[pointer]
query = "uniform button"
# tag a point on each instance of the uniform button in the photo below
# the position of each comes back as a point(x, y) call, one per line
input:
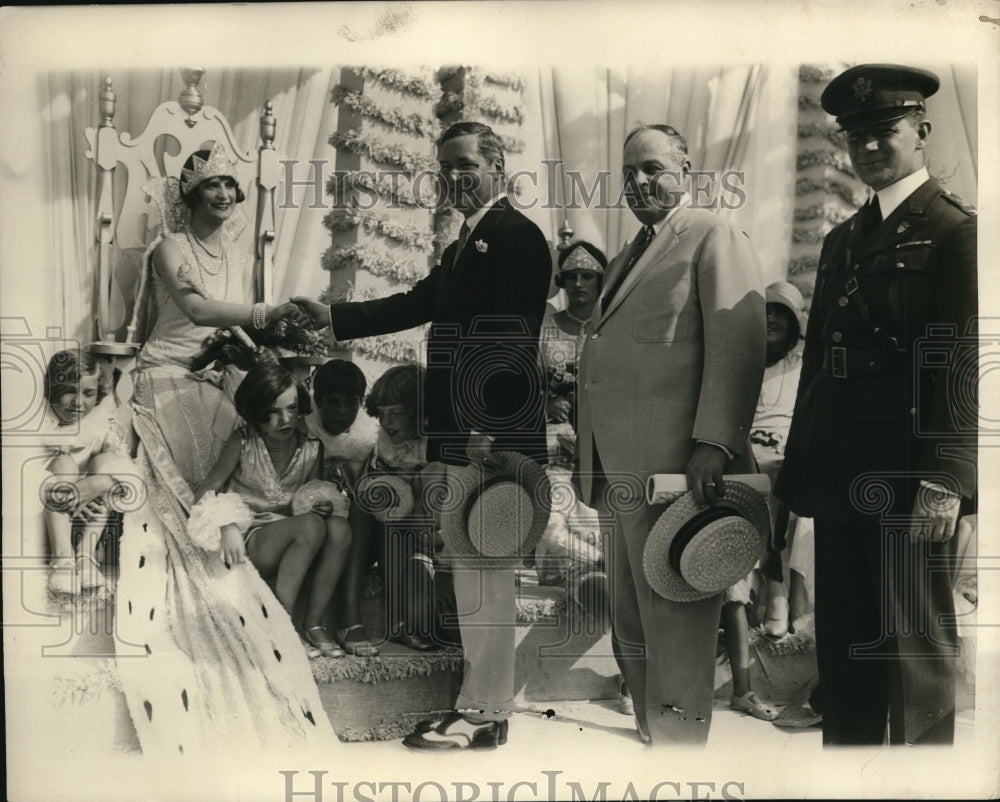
point(913, 410)
point(842, 301)
point(900, 264)
point(594, 336)
point(837, 336)
point(854, 267)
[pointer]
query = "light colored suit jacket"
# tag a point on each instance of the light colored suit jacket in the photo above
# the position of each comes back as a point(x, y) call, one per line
point(678, 356)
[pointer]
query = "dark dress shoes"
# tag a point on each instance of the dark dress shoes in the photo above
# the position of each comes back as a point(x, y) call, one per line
point(456, 731)
point(416, 642)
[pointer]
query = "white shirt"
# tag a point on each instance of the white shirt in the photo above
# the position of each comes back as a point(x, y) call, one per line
point(890, 197)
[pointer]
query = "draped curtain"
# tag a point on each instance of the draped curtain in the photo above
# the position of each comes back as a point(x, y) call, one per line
point(735, 118)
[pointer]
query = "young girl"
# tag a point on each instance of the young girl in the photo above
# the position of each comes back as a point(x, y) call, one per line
point(408, 551)
point(87, 448)
point(265, 461)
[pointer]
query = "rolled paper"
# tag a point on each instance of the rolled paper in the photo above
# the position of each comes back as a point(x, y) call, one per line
point(665, 488)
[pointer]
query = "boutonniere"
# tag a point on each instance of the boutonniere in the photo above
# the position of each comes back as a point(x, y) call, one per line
point(481, 246)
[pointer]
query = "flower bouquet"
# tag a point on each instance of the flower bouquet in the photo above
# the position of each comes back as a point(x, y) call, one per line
point(245, 348)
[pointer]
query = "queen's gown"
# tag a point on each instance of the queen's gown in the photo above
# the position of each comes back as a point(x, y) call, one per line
point(208, 659)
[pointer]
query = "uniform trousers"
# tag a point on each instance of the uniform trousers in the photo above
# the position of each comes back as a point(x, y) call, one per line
point(886, 647)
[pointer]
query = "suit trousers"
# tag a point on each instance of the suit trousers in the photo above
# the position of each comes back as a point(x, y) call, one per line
point(666, 650)
point(885, 646)
point(485, 600)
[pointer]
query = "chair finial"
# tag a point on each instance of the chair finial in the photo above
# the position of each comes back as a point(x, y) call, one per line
point(565, 235)
point(268, 126)
point(106, 103)
point(190, 99)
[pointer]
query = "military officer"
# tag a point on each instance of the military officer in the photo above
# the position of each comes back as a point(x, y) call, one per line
point(881, 451)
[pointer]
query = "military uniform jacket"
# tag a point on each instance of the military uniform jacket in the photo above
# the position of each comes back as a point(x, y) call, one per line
point(891, 399)
point(485, 311)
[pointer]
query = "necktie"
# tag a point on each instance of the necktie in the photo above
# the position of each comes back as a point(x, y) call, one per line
point(463, 237)
point(871, 216)
point(642, 242)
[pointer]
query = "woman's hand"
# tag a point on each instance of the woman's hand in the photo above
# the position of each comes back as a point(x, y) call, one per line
point(232, 547)
point(324, 509)
point(287, 311)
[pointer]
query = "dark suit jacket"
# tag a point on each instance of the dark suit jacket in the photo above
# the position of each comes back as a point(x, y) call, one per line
point(914, 414)
point(486, 314)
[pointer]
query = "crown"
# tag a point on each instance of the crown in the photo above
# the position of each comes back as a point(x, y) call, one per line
point(217, 164)
point(581, 259)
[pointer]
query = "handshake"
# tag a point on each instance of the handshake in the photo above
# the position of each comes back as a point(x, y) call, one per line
point(304, 312)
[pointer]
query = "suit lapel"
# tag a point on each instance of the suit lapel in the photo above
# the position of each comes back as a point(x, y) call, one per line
point(470, 254)
point(665, 239)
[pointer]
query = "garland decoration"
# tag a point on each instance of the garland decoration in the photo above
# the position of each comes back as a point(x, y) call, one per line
point(808, 74)
point(508, 80)
point(354, 141)
point(388, 187)
point(416, 85)
point(809, 235)
point(821, 211)
point(802, 264)
point(375, 261)
point(830, 133)
point(391, 349)
point(412, 124)
point(821, 158)
point(850, 196)
point(246, 348)
point(373, 223)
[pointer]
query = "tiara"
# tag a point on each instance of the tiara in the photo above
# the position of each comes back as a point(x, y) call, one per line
point(217, 164)
point(581, 259)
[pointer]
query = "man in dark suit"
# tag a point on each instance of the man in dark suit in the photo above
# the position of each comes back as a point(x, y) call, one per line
point(881, 451)
point(483, 392)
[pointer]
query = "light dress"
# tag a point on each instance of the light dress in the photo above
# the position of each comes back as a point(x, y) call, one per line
point(208, 659)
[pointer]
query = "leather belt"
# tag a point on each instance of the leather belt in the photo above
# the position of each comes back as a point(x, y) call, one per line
point(844, 363)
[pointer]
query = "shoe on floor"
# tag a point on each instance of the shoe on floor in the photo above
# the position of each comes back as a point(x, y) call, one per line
point(752, 705)
point(456, 731)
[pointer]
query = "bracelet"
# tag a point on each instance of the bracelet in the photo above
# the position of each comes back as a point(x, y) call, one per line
point(259, 316)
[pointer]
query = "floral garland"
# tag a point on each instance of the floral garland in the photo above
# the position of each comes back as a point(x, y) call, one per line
point(409, 235)
point(820, 211)
point(412, 124)
point(810, 235)
point(488, 106)
point(376, 262)
point(802, 264)
point(809, 74)
point(394, 191)
point(509, 80)
point(818, 158)
point(248, 347)
point(808, 103)
point(850, 196)
point(823, 130)
point(391, 349)
point(417, 85)
point(354, 141)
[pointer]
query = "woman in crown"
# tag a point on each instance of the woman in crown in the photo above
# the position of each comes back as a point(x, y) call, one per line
point(208, 658)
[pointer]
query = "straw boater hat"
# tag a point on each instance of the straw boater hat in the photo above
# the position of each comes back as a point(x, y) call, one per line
point(384, 496)
point(498, 512)
point(695, 552)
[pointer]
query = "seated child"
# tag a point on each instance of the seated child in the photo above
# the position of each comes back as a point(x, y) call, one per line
point(348, 438)
point(265, 462)
point(407, 551)
point(88, 447)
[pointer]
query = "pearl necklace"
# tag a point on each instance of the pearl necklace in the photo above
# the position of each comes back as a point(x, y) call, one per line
point(577, 320)
point(192, 239)
point(581, 336)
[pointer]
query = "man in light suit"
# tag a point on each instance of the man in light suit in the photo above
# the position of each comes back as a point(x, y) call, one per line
point(670, 379)
point(483, 393)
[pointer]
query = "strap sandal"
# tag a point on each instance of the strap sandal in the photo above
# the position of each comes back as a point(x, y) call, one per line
point(357, 645)
point(311, 651)
point(91, 576)
point(327, 646)
point(751, 704)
